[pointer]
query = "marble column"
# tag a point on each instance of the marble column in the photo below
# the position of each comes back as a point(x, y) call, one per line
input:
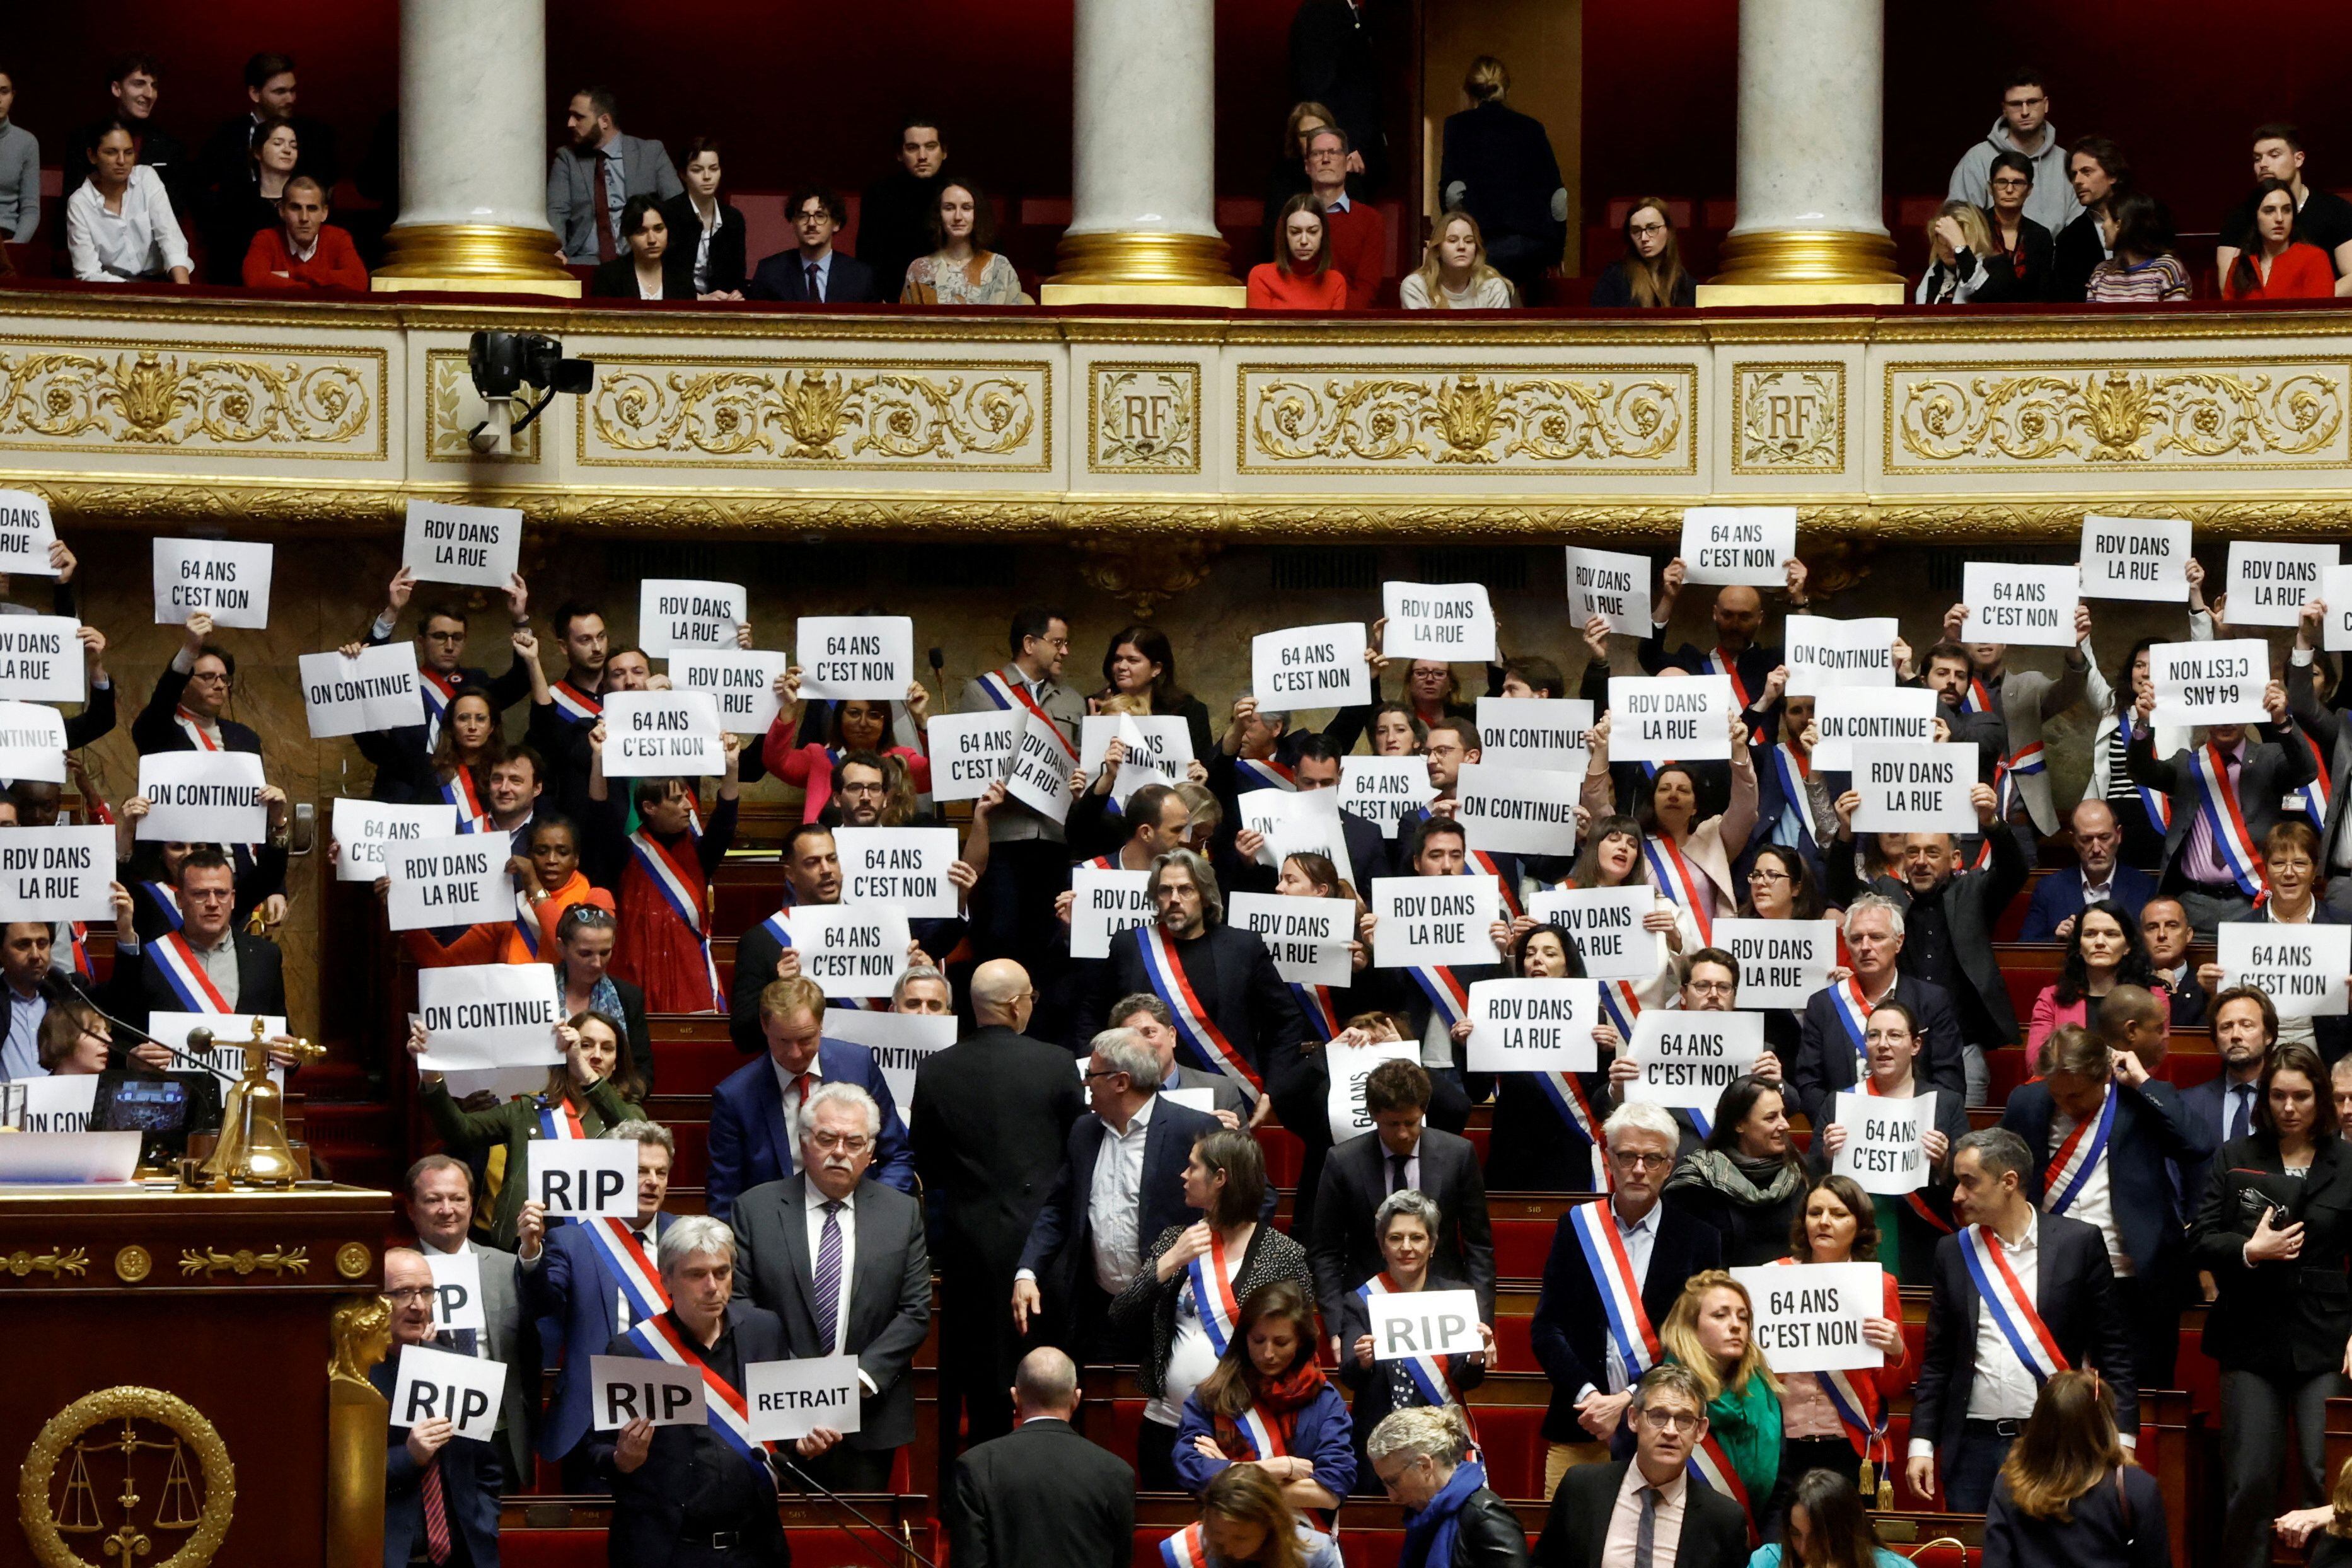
point(1144, 200)
point(1812, 156)
point(473, 152)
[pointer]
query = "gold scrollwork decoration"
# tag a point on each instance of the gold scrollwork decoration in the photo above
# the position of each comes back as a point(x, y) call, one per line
point(151, 399)
point(1468, 418)
point(245, 1260)
point(57, 1262)
point(803, 416)
point(2120, 416)
point(200, 1513)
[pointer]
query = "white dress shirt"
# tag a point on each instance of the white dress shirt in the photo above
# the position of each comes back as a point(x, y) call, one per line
point(815, 1202)
point(712, 220)
point(1114, 1199)
point(1641, 1239)
point(142, 240)
point(2094, 1203)
point(2003, 1390)
point(793, 1103)
point(1625, 1521)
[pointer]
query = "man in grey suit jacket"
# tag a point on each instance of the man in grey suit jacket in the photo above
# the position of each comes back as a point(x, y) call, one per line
point(1028, 866)
point(633, 167)
point(2024, 699)
point(440, 1209)
point(1148, 1017)
point(842, 1260)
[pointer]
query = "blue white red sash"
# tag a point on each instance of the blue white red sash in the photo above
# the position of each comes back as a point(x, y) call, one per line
point(438, 692)
point(78, 934)
point(574, 704)
point(458, 791)
point(2312, 799)
point(640, 1280)
point(2077, 1157)
point(681, 888)
point(1484, 862)
point(1710, 1464)
point(1263, 1436)
point(775, 926)
point(2155, 802)
point(1429, 1376)
point(1719, 663)
point(183, 972)
point(560, 1119)
point(1674, 878)
point(526, 923)
point(1856, 1403)
point(1567, 1097)
point(2216, 801)
point(1594, 1225)
point(2029, 1337)
point(725, 1408)
point(1188, 1548)
point(1315, 1001)
point(2024, 761)
point(1212, 1295)
point(1449, 998)
point(1194, 1027)
point(167, 901)
point(1102, 863)
point(1793, 771)
point(1011, 694)
point(1976, 699)
point(203, 732)
point(1853, 1015)
point(1251, 774)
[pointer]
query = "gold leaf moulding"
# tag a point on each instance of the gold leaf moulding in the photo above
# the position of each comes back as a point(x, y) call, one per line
point(193, 1506)
point(244, 1261)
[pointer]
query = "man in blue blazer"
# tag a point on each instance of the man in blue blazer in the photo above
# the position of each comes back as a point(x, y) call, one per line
point(2245, 1026)
point(2098, 877)
point(469, 1468)
point(1826, 1058)
point(751, 1110)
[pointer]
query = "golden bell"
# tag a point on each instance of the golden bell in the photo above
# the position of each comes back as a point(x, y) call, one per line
point(254, 1150)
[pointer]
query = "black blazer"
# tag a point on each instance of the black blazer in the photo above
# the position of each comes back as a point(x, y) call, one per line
point(260, 982)
point(2152, 1130)
point(470, 1486)
point(154, 730)
point(784, 276)
point(1230, 971)
point(2188, 1000)
point(617, 279)
point(2075, 1298)
point(2094, 1534)
point(1504, 164)
point(2076, 255)
point(1714, 1528)
point(686, 239)
point(989, 1120)
point(1345, 1253)
point(1057, 1248)
point(2008, 284)
point(1972, 905)
point(2288, 1318)
point(1826, 1060)
point(1570, 1331)
point(1349, 1319)
point(2270, 770)
point(1042, 1496)
point(1487, 1534)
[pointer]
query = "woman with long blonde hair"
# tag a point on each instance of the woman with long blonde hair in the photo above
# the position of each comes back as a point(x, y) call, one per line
point(1710, 1328)
point(1454, 274)
point(2069, 1492)
point(1958, 240)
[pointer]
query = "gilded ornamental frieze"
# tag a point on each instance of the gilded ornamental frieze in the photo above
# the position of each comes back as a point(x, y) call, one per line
point(1789, 418)
point(104, 397)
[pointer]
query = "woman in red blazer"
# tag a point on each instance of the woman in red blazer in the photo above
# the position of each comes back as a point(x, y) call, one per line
point(2277, 263)
point(1300, 277)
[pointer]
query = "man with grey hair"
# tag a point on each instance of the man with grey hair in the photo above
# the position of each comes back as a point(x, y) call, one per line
point(923, 989)
point(1648, 1508)
point(842, 1260)
point(2011, 1287)
point(1829, 1042)
point(1043, 1497)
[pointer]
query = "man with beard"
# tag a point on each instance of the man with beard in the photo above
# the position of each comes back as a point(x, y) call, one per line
point(595, 175)
point(894, 220)
point(2245, 1026)
point(563, 712)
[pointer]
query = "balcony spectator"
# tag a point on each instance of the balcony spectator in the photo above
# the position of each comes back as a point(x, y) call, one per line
point(245, 201)
point(1499, 167)
point(962, 270)
point(270, 91)
point(1651, 272)
point(813, 272)
point(1333, 61)
point(2101, 176)
point(2324, 217)
point(1289, 176)
point(133, 84)
point(2024, 130)
point(2023, 243)
point(2273, 260)
point(642, 272)
point(20, 170)
point(1456, 273)
point(1301, 277)
point(1958, 242)
point(120, 227)
point(1359, 233)
point(894, 220)
point(706, 234)
point(595, 175)
point(2141, 269)
point(302, 249)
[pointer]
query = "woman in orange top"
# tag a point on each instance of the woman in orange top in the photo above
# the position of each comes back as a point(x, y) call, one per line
point(1300, 278)
point(2277, 263)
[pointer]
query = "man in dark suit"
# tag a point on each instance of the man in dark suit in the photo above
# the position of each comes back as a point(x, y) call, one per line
point(1499, 166)
point(1041, 1497)
point(1828, 1057)
point(440, 1203)
point(795, 1236)
point(2262, 773)
point(2097, 876)
point(1152, 1021)
point(271, 92)
point(2164, 926)
point(207, 967)
point(989, 1116)
point(465, 1472)
point(1333, 62)
point(1314, 762)
point(1401, 1152)
point(2245, 1026)
point(1614, 1511)
point(753, 1136)
point(894, 220)
point(813, 272)
point(2061, 1270)
point(1437, 846)
point(1739, 621)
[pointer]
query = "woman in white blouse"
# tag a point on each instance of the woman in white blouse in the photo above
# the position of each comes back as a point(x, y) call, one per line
point(1455, 276)
point(119, 226)
point(962, 270)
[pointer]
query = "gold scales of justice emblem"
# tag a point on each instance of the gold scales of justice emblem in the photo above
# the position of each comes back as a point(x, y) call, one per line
point(253, 1149)
point(143, 1471)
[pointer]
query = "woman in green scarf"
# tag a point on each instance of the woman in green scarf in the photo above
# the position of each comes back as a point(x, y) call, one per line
point(1748, 1182)
point(1709, 1330)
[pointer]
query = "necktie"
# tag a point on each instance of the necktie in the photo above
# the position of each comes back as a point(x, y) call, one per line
point(1645, 1534)
point(607, 247)
point(1396, 1172)
point(436, 1513)
point(816, 283)
point(2242, 1112)
point(462, 1341)
point(828, 1278)
point(801, 1085)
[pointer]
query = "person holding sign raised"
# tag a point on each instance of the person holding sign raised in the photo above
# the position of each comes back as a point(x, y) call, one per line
point(406, 754)
point(1689, 856)
point(1546, 1134)
point(186, 711)
point(1747, 1181)
point(1407, 1224)
point(2224, 797)
point(661, 877)
point(1738, 618)
point(2025, 699)
point(562, 712)
point(1268, 1404)
point(1906, 1227)
point(2290, 864)
point(859, 726)
point(1710, 984)
point(440, 1204)
point(1140, 662)
point(440, 1490)
point(1603, 1512)
point(1013, 906)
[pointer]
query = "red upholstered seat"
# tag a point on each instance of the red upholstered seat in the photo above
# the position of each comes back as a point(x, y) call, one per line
point(1285, 1154)
point(1521, 1246)
point(1512, 1334)
point(1510, 1437)
point(695, 1066)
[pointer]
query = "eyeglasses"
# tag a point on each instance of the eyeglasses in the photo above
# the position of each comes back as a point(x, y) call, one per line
point(1709, 988)
point(1675, 1420)
point(1108, 1073)
point(847, 1142)
point(1639, 1161)
point(2011, 182)
point(409, 1293)
point(1642, 231)
point(1766, 874)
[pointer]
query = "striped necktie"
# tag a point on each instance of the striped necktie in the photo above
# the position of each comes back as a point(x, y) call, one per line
point(828, 1278)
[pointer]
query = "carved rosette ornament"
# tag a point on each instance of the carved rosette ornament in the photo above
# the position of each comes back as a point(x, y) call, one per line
point(129, 1492)
point(1141, 573)
point(2174, 417)
point(153, 399)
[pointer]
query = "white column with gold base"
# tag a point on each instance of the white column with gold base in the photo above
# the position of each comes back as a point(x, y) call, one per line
point(1811, 228)
point(473, 152)
point(1143, 226)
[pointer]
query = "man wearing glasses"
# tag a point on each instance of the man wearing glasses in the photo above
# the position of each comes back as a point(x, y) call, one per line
point(1626, 1511)
point(439, 1488)
point(1710, 985)
point(184, 715)
point(2025, 130)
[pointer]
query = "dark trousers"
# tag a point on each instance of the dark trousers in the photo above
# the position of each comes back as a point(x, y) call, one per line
point(1972, 1465)
point(578, 1473)
point(979, 1350)
point(2152, 1310)
point(855, 1470)
point(1155, 1458)
point(2257, 1411)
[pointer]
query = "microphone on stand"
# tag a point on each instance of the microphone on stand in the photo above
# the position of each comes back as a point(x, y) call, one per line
point(897, 1546)
point(138, 1035)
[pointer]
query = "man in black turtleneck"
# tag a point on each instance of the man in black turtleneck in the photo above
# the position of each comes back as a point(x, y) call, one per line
point(894, 220)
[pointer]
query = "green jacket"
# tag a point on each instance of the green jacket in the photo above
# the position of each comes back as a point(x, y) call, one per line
point(507, 1130)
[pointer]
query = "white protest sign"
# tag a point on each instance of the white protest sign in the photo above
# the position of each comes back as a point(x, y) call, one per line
point(2336, 630)
point(480, 547)
point(1843, 714)
point(1781, 962)
point(2135, 558)
point(1435, 920)
point(585, 1178)
point(679, 615)
point(899, 1042)
point(790, 1399)
point(58, 1104)
point(970, 752)
point(2269, 584)
point(482, 1015)
point(2210, 683)
point(1808, 1316)
point(626, 1388)
point(1308, 937)
point(657, 734)
point(1824, 654)
point(1042, 762)
point(851, 953)
point(1612, 585)
point(1159, 749)
point(456, 1289)
point(2302, 969)
point(378, 690)
point(1384, 790)
point(220, 578)
point(41, 659)
point(1295, 823)
point(57, 874)
point(1689, 1059)
point(463, 1390)
point(1533, 1026)
point(203, 797)
point(740, 681)
point(32, 742)
point(1747, 545)
point(1310, 667)
point(2029, 606)
point(903, 867)
point(1204, 1101)
point(1882, 1150)
point(1606, 924)
point(1445, 620)
point(231, 1033)
point(856, 655)
point(1424, 1323)
point(1916, 788)
point(1102, 905)
point(1518, 811)
point(1535, 732)
point(1670, 718)
point(461, 880)
point(1350, 1066)
point(363, 830)
point(26, 534)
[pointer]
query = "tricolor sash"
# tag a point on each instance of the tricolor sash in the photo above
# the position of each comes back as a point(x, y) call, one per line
point(1710, 1464)
point(1188, 1548)
point(2012, 1314)
point(78, 934)
point(1449, 998)
point(1315, 1001)
point(574, 704)
point(526, 923)
point(2155, 802)
point(640, 1281)
point(729, 1414)
point(1251, 774)
point(1485, 862)
point(2216, 801)
point(1011, 695)
point(1102, 863)
point(775, 926)
point(1916, 1199)
point(2077, 1157)
point(1595, 1227)
point(2313, 799)
point(1793, 772)
point(1212, 1295)
point(1262, 1434)
point(1194, 1027)
point(1976, 699)
point(681, 887)
point(1719, 663)
point(1674, 878)
point(167, 900)
point(1853, 1015)
point(2007, 770)
point(204, 732)
point(438, 692)
point(183, 972)
point(1856, 1403)
point(560, 1119)
point(1429, 1375)
point(458, 791)
point(1567, 1097)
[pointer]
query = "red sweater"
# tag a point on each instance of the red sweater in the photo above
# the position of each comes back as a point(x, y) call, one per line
point(1360, 240)
point(333, 263)
point(1271, 288)
point(2303, 272)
